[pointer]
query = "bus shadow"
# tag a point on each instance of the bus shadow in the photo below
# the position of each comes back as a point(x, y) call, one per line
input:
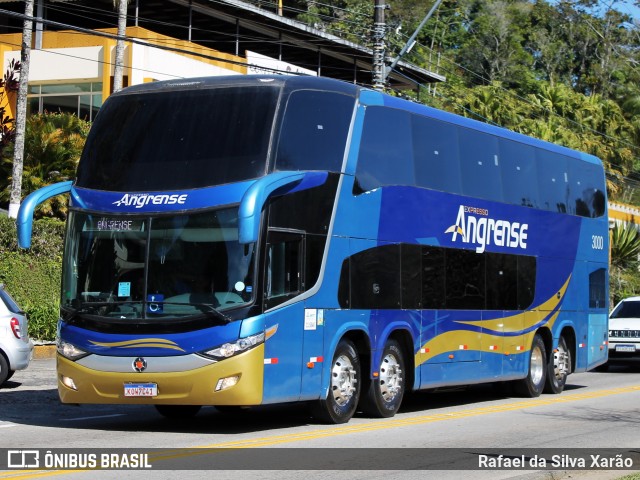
point(463, 395)
point(43, 408)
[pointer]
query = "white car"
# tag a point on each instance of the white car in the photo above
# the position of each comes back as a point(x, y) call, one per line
point(16, 348)
point(624, 331)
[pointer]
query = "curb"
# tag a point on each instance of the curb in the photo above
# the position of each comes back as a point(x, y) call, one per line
point(41, 352)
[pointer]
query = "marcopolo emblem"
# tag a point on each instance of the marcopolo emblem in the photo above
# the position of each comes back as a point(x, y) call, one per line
point(139, 364)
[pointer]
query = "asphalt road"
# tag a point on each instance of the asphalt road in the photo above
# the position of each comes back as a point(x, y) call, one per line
point(596, 411)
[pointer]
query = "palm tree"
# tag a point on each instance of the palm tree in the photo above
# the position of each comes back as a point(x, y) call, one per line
point(53, 144)
point(122, 31)
point(21, 112)
point(624, 278)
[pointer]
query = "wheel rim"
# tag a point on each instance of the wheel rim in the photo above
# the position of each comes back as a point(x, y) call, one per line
point(343, 380)
point(561, 362)
point(537, 366)
point(390, 378)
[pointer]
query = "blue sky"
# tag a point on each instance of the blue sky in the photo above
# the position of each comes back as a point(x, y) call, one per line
point(624, 6)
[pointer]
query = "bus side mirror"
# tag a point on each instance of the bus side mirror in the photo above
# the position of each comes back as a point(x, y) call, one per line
point(255, 198)
point(24, 222)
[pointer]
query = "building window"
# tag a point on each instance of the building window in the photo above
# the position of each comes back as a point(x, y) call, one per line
point(82, 99)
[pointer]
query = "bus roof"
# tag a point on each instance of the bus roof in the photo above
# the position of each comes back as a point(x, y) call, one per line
point(366, 97)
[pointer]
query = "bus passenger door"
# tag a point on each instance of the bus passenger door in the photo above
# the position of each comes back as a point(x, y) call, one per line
point(283, 281)
point(598, 316)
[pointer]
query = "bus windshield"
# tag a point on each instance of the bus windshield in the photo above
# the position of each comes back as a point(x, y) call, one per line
point(210, 136)
point(156, 267)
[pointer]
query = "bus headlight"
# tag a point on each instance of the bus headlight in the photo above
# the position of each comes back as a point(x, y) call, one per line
point(230, 349)
point(69, 350)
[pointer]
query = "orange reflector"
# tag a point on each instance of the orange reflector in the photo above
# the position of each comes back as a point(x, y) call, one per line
point(451, 356)
point(310, 364)
point(376, 374)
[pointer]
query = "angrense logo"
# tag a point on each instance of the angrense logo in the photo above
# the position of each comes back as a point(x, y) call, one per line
point(482, 230)
point(139, 200)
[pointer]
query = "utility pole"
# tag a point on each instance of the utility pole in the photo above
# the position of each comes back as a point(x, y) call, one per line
point(379, 32)
point(21, 112)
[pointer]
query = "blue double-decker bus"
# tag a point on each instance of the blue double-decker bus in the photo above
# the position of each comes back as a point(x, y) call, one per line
point(239, 241)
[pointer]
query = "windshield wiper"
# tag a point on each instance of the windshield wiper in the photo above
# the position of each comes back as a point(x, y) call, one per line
point(206, 309)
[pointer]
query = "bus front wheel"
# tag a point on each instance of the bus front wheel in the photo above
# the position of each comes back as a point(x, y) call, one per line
point(344, 386)
point(533, 384)
point(385, 392)
point(559, 368)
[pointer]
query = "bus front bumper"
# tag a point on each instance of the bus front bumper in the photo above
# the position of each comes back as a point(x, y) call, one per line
point(198, 386)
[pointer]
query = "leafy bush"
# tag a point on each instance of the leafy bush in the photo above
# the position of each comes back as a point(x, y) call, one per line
point(33, 276)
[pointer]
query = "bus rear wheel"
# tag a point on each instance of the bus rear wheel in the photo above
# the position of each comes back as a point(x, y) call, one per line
point(178, 411)
point(559, 368)
point(344, 387)
point(533, 384)
point(384, 395)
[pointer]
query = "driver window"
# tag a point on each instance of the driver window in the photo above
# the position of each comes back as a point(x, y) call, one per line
point(284, 275)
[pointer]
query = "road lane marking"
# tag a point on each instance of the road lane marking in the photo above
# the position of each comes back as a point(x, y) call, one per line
point(380, 424)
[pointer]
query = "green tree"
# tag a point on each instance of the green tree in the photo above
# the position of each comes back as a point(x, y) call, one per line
point(624, 274)
point(53, 144)
point(495, 44)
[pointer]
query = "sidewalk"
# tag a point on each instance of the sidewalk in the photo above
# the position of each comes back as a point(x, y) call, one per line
point(44, 351)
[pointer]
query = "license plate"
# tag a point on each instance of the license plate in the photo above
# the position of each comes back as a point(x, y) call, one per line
point(625, 348)
point(140, 390)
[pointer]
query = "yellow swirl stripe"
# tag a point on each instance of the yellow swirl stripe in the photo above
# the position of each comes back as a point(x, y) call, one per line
point(486, 342)
point(141, 342)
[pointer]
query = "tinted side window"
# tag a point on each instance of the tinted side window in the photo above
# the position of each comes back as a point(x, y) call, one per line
point(436, 156)
point(284, 276)
point(386, 154)
point(436, 278)
point(480, 165)
point(292, 211)
point(553, 181)
point(433, 277)
point(375, 278)
point(314, 131)
point(519, 174)
point(587, 200)
point(502, 289)
point(411, 276)
point(598, 288)
point(526, 281)
point(465, 284)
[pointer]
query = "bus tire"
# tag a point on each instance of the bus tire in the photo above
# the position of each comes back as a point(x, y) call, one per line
point(344, 387)
point(559, 368)
point(533, 384)
point(178, 411)
point(384, 393)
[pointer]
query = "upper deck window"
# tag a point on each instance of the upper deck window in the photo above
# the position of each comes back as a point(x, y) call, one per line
point(314, 131)
point(403, 148)
point(181, 139)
